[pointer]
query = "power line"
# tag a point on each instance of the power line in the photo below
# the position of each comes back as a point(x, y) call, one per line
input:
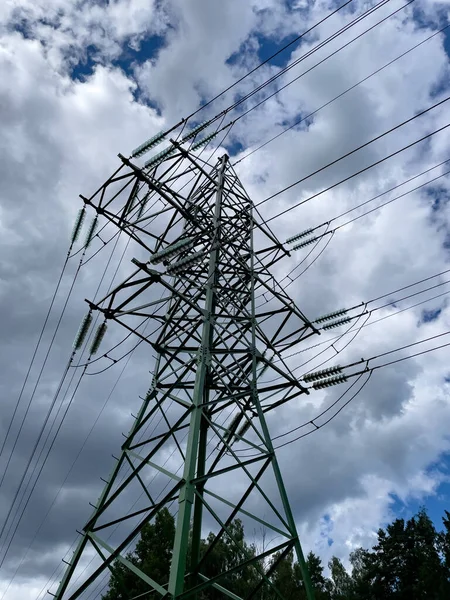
point(312, 51)
point(317, 427)
point(267, 60)
point(59, 387)
point(33, 487)
point(368, 370)
point(387, 353)
point(41, 433)
point(353, 329)
point(407, 298)
point(405, 347)
point(55, 397)
point(356, 21)
point(331, 342)
point(38, 380)
point(183, 122)
point(405, 287)
point(367, 325)
point(311, 421)
point(401, 289)
point(314, 112)
point(347, 154)
point(386, 203)
point(410, 295)
point(73, 463)
point(35, 353)
point(331, 232)
point(56, 394)
point(345, 28)
point(391, 190)
point(378, 162)
point(66, 411)
point(38, 343)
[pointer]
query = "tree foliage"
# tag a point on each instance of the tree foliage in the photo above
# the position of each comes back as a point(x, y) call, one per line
point(152, 555)
point(409, 561)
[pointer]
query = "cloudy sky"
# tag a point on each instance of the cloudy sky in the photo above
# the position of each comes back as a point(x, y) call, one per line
point(81, 81)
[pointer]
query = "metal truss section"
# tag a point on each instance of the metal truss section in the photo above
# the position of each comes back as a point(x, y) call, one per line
point(200, 444)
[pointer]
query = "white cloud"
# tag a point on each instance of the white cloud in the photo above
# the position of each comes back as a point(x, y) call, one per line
point(61, 137)
point(67, 29)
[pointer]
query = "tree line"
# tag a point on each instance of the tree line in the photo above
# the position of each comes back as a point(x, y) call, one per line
point(409, 561)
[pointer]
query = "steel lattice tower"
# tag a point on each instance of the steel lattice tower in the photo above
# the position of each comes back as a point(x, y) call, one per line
point(225, 324)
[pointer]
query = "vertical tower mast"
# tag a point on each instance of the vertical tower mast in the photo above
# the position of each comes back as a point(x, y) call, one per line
point(224, 324)
point(195, 456)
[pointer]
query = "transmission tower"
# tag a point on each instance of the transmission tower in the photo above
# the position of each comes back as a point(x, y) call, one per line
point(225, 325)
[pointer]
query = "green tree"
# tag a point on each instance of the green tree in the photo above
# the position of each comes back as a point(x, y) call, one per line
point(404, 564)
point(285, 580)
point(444, 542)
point(154, 549)
point(361, 561)
point(229, 552)
point(444, 549)
point(152, 555)
point(289, 581)
point(410, 561)
point(341, 587)
point(423, 558)
point(387, 568)
point(321, 585)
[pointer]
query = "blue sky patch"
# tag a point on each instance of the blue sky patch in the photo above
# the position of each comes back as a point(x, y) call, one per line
point(85, 68)
point(438, 21)
point(442, 85)
point(434, 504)
point(269, 46)
point(430, 315)
point(326, 535)
point(233, 58)
point(299, 122)
point(446, 243)
point(233, 146)
point(21, 25)
point(447, 41)
point(148, 49)
point(436, 194)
